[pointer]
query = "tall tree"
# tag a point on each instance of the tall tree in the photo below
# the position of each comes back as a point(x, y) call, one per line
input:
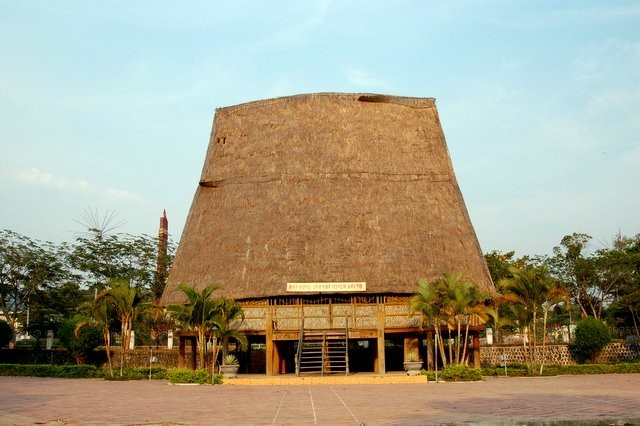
point(101, 315)
point(228, 320)
point(100, 257)
point(199, 314)
point(572, 265)
point(533, 292)
point(28, 268)
point(622, 265)
point(426, 302)
point(455, 303)
point(126, 303)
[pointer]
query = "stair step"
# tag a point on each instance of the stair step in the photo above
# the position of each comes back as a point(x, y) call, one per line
point(323, 352)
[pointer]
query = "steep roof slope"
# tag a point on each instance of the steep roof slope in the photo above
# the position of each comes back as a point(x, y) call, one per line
point(326, 188)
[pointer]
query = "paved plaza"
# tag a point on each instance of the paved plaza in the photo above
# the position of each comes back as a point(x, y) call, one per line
point(597, 399)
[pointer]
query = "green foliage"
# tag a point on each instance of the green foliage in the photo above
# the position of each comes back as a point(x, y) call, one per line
point(82, 341)
point(208, 315)
point(44, 370)
point(412, 357)
point(5, 333)
point(450, 303)
point(126, 303)
point(29, 269)
point(576, 369)
point(592, 336)
point(230, 360)
point(198, 315)
point(460, 373)
point(138, 373)
point(104, 256)
point(184, 375)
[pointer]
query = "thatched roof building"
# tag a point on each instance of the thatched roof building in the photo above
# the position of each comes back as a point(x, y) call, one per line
point(326, 187)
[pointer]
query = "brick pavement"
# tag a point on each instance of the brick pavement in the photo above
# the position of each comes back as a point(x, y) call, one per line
point(598, 399)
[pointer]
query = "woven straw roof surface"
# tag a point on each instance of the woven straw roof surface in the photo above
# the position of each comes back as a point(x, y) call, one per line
point(326, 188)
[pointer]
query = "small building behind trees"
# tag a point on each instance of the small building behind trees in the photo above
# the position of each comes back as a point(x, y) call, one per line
point(319, 213)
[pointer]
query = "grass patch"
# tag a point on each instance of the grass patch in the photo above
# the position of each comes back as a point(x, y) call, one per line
point(45, 370)
point(454, 373)
point(139, 373)
point(184, 375)
point(557, 370)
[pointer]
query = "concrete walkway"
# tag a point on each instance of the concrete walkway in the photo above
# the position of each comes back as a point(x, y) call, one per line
point(598, 399)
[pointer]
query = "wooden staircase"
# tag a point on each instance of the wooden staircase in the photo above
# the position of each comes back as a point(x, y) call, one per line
point(323, 352)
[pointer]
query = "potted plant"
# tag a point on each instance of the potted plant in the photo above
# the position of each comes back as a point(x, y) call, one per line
point(229, 367)
point(412, 364)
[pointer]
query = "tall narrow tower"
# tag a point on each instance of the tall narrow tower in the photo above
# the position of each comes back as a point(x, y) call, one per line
point(161, 266)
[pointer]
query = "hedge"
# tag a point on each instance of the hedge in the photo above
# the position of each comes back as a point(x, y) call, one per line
point(45, 370)
point(184, 375)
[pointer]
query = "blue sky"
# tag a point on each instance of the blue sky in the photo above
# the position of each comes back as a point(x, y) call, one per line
point(108, 105)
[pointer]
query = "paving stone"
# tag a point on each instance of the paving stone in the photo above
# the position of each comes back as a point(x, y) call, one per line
point(562, 400)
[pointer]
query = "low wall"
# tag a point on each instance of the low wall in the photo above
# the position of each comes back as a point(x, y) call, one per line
point(557, 354)
point(168, 358)
point(141, 357)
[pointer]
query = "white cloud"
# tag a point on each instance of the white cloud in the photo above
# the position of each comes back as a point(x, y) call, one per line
point(37, 177)
point(121, 193)
point(361, 79)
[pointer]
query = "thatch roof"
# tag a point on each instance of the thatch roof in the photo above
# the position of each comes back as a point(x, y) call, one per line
point(326, 188)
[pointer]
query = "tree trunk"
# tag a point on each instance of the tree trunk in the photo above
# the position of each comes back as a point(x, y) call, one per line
point(544, 340)
point(107, 343)
point(466, 340)
point(459, 344)
point(202, 348)
point(443, 355)
point(635, 323)
point(225, 346)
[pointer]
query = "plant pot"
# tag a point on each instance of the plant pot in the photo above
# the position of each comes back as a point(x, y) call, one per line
point(229, 371)
point(413, 368)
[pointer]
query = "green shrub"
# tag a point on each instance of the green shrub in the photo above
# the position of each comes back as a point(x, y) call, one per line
point(627, 368)
point(184, 375)
point(44, 370)
point(138, 373)
point(88, 338)
point(5, 333)
point(554, 370)
point(460, 373)
point(591, 336)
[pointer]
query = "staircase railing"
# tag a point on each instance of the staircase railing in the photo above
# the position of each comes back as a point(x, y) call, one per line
point(346, 345)
point(323, 352)
point(299, 351)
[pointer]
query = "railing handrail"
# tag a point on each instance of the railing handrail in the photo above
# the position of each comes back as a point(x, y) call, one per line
point(346, 345)
point(299, 351)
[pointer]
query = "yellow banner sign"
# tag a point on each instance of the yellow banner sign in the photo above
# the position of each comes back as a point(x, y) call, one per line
point(326, 287)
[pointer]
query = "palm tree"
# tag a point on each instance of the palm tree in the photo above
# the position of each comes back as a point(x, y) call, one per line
point(451, 301)
point(100, 313)
point(533, 291)
point(553, 295)
point(463, 303)
point(426, 302)
point(525, 287)
point(228, 320)
point(126, 303)
point(200, 315)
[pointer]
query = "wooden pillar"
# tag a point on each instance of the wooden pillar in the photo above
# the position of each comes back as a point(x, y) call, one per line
point(476, 349)
point(181, 351)
point(430, 351)
point(194, 352)
point(379, 366)
point(271, 356)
